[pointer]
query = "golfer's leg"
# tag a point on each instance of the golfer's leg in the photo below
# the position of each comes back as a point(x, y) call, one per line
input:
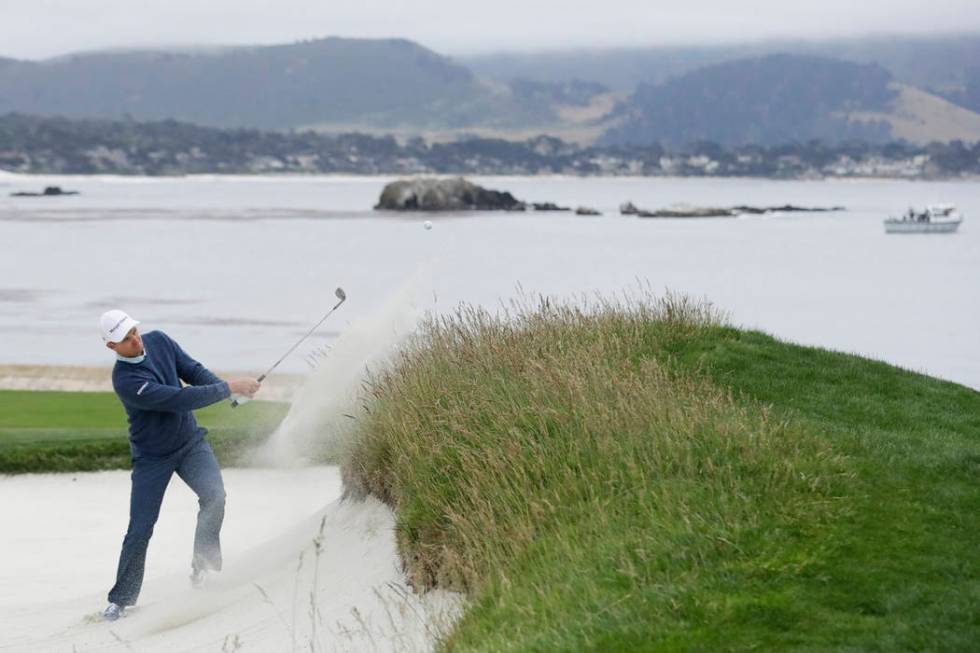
point(200, 471)
point(150, 479)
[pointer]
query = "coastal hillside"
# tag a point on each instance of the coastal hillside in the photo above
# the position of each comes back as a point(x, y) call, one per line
point(939, 64)
point(969, 95)
point(918, 117)
point(640, 476)
point(395, 87)
point(327, 80)
point(775, 99)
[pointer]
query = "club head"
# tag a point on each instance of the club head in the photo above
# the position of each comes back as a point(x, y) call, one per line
point(341, 295)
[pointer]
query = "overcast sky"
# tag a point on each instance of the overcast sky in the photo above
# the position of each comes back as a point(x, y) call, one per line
point(35, 29)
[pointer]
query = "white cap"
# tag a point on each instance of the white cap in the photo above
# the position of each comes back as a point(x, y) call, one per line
point(115, 324)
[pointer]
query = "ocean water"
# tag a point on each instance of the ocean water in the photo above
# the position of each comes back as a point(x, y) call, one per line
point(237, 268)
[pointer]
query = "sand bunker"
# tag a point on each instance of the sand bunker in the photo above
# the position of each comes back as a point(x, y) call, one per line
point(304, 570)
point(298, 575)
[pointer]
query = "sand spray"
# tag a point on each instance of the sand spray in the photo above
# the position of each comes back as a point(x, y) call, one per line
point(323, 408)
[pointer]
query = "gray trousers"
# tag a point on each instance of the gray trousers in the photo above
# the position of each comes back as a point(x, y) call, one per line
point(196, 465)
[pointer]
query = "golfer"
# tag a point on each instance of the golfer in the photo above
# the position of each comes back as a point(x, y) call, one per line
point(164, 438)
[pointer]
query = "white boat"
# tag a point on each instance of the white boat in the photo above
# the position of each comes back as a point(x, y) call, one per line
point(936, 219)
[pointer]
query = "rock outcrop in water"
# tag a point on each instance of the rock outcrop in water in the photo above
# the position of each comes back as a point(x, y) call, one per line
point(549, 206)
point(49, 191)
point(433, 194)
point(628, 208)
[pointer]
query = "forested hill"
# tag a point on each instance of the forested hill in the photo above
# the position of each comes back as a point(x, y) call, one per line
point(397, 87)
point(938, 63)
point(770, 100)
point(326, 80)
point(969, 95)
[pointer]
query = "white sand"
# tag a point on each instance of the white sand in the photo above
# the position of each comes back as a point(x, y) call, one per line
point(303, 569)
point(61, 536)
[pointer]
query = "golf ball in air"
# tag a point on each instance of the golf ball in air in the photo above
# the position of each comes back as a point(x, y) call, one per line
point(427, 225)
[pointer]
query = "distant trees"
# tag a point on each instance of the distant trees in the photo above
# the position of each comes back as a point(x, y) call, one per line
point(58, 145)
point(776, 99)
point(955, 155)
point(969, 97)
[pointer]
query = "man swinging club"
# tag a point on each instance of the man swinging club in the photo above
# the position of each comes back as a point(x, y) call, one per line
point(164, 438)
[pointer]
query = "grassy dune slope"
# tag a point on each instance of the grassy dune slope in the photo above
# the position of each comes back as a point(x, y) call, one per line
point(85, 431)
point(642, 477)
point(920, 117)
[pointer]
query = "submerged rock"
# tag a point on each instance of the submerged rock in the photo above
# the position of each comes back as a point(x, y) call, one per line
point(684, 211)
point(433, 194)
point(549, 206)
point(689, 212)
point(786, 208)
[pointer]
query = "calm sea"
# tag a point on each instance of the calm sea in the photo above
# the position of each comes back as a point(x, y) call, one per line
point(236, 268)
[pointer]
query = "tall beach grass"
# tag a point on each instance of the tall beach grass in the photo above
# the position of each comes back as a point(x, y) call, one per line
point(588, 493)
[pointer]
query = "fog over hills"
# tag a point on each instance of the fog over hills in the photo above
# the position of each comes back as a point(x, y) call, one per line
point(939, 64)
point(946, 66)
point(919, 89)
point(271, 87)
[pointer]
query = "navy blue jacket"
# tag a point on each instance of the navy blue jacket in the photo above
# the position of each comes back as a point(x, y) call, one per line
point(159, 409)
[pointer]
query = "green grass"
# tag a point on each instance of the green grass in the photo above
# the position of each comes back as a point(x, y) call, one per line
point(904, 569)
point(641, 477)
point(86, 431)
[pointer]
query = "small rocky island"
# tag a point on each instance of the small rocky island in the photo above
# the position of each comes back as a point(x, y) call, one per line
point(434, 194)
point(458, 194)
point(49, 191)
point(720, 211)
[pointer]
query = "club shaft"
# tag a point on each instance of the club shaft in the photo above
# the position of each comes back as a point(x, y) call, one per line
point(340, 293)
point(300, 341)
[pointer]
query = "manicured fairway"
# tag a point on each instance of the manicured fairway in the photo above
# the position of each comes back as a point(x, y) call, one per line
point(74, 431)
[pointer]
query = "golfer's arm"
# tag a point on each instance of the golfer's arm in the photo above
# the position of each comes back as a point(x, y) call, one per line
point(195, 374)
point(148, 395)
point(190, 371)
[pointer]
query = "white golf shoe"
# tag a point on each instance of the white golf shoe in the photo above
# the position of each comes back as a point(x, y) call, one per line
point(113, 612)
point(198, 578)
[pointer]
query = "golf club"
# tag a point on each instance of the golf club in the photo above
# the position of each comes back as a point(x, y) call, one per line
point(238, 400)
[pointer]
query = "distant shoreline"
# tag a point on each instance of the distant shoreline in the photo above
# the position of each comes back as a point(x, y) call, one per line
point(8, 177)
point(45, 145)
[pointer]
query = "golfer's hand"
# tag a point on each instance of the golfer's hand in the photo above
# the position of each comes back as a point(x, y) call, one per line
point(245, 387)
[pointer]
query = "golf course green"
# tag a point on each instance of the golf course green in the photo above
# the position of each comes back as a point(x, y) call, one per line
point(86, 431)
